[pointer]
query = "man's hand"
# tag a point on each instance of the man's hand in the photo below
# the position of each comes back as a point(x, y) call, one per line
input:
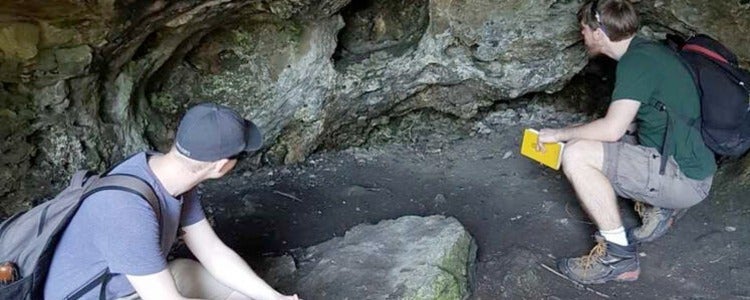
point(546, 136)
point(225, 265)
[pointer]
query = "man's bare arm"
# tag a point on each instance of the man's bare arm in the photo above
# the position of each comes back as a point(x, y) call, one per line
point(225, 265)
point(612, 127)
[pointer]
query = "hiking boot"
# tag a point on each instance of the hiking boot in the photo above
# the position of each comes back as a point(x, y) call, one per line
point(606, 262)
point(655, 222)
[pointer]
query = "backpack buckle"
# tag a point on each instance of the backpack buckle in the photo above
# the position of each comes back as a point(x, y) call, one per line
point(8, 273)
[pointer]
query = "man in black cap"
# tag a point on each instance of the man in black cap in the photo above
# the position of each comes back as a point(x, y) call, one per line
point(119, 232)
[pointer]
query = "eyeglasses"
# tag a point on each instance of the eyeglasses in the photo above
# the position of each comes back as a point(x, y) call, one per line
point(597, 16)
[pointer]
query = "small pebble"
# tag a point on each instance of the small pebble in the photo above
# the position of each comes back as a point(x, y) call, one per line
point(507, 154)
point(440, 198)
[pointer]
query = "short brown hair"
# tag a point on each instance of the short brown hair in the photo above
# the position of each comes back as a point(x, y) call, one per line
point(617, 18)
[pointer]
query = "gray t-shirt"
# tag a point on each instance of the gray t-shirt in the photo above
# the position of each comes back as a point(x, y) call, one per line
point(119, 230)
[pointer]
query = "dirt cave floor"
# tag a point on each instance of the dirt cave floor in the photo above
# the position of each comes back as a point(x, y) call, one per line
point(521, 214)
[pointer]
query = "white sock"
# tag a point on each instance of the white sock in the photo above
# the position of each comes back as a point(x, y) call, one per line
point(616, 236)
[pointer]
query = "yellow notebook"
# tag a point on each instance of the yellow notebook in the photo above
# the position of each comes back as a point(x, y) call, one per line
point(552, 154)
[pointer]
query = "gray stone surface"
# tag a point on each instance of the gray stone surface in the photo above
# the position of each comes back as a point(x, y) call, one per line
point(454, 57)
point(729, 21)
point(407, 258)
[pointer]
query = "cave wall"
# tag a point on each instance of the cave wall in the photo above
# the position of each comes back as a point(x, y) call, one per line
point(728, 20)
point(84, 83)
point(331, 80)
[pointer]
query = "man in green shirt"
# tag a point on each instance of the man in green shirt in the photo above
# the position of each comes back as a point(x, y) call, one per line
point(600, 164)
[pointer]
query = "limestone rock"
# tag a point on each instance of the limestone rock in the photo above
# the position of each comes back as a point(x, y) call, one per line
point(324, 81)
point(728, 21)
point(18, 41)
point(407, 258)
point(732, 181)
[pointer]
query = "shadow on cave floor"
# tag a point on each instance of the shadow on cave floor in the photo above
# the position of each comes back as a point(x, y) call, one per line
point(508, 203)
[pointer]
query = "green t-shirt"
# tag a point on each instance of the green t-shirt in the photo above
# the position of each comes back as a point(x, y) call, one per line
point(649, 72)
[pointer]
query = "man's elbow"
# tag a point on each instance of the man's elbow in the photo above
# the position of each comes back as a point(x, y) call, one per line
point(613, 135)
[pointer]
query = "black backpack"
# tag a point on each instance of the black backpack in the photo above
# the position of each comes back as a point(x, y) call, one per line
point(724, 92)
point(28, 239)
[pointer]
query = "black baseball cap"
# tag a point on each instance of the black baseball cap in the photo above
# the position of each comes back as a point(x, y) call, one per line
point(210, 132)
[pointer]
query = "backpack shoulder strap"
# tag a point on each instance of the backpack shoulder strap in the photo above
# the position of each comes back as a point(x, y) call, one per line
point(127, 183)
point(668, 143)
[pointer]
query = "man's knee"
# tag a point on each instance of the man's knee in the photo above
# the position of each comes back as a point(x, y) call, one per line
point(186, 272)
point(579, 153)
point(574, 153)
point(182, 265)
point(193, 280)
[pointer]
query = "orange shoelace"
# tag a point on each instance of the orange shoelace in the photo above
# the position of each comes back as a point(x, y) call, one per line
point(640, 208)
point(598, 251)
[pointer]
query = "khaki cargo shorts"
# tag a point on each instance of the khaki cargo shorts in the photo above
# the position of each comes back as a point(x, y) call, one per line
point(633, 171)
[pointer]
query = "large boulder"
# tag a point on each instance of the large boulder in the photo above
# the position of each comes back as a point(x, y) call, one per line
point(407, 258)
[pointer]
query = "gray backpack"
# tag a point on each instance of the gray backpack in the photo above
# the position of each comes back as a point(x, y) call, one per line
point(28, 239)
